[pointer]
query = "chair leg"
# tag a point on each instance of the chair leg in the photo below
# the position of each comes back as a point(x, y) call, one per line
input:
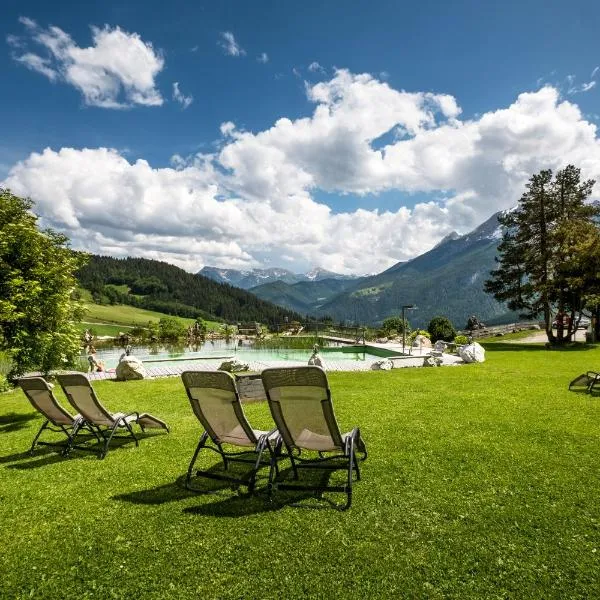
point(222, 453)
point(70, 437)
point(272, 453)
point(294, 466)
point(35, 439)
point(137, 443)
point(351, 462)
point(355, 459)
point(199, 447)
point(260, 449)
point(273, 467)
point(108, 440)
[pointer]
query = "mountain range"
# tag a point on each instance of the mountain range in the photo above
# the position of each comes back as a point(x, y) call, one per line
point(256, 277)
point(447, 280)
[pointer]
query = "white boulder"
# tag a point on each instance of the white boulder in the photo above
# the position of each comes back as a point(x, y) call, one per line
point(130, 368)
point(382, 365)
point(421, 341)
point(234, 366)
point(471, 353)
point(315, 360)
point(440, 346)
point(433, 361)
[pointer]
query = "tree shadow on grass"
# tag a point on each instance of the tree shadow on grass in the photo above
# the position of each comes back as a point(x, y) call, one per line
point(14, 421)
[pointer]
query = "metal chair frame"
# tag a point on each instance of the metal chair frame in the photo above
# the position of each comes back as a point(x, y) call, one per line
point(227, 457)
point(262, 442)
point(325, 460)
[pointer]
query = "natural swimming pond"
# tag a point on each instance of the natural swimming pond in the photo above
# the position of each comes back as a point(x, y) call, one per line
point(226, 350)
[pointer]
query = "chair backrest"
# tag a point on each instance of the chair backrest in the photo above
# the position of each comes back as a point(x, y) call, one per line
point(82, 397)
point(216, 403)
point(300, 402)
point(39, 393)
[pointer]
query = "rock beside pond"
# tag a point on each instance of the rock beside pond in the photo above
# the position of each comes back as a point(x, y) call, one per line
point(234, 366)
point(382, 365)
point(315, 360)
point(421, 341)
point(433, 361)
point(130, 368)
point(440, 346)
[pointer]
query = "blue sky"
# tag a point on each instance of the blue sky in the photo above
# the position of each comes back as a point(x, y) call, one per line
point(483, 55)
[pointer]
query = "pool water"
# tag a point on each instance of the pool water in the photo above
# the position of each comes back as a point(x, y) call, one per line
point(227, 350)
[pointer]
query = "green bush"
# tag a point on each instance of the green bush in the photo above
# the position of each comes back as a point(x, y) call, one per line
point(4, 384)
point(461, 340)
point(441, 328)
point(416, 332)
point(171, 328)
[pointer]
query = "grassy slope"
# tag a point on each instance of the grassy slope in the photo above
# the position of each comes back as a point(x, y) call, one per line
point(122, 314)
point(108, 318)
point(482, 482)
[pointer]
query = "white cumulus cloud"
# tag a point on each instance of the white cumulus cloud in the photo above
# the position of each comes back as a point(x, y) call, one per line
point(117, 71)
point(258, 195)
point(263, 58)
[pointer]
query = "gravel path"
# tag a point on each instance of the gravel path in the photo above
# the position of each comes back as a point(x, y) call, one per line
point(542, 338)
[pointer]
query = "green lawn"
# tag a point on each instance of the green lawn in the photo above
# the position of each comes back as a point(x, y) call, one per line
point(482, 481)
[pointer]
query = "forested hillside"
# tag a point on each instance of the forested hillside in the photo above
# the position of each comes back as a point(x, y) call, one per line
point(159, 286)
point(447, 280)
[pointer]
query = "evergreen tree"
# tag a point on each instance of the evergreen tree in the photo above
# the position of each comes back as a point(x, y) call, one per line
point(536, 268)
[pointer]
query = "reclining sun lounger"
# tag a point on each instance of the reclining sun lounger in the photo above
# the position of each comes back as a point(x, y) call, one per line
point(40, 394)
point(216, 403)
point(300, 402)
point(82, 397)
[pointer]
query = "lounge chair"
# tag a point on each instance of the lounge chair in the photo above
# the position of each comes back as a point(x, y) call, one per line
point(216, 403)
point(300, 402)
point(58, 420)
point(586, 382)
point(82, 397)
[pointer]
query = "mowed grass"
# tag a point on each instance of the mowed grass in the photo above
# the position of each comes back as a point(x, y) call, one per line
point(482, 481)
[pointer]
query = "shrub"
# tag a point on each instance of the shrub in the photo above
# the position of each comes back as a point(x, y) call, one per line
point(171, 328)
point(4, 384)
point(461, 340)
point(416, 332)
point(441, 328)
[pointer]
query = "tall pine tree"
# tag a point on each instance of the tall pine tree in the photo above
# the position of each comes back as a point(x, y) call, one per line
point(537, 274)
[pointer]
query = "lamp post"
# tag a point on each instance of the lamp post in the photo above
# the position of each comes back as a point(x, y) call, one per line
point(405, 307)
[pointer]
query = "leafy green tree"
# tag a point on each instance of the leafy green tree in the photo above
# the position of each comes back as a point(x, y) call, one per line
point(37, 309)
point(578, 273)
point(538, 244)
point(441, 328)
point(171, 328)
point(200, 326)
point(395, 325)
